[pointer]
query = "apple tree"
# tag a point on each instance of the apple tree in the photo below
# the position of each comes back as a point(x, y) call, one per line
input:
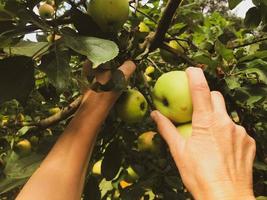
point(51, 51)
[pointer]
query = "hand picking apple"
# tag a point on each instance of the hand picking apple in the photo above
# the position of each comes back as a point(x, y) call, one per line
point(214, 156)
point(215, 162)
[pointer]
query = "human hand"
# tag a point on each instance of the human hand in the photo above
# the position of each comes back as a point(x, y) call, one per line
point(216, 161)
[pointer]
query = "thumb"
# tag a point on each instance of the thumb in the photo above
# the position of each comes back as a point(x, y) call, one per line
point(168, 131)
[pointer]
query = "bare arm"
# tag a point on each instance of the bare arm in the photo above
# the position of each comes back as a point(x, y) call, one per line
point(62, 173)
point(216, 161)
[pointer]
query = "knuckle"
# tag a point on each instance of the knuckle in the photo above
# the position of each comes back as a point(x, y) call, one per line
point(200, 86)
point(227, 123)
point(241, 129)
point(252, 142)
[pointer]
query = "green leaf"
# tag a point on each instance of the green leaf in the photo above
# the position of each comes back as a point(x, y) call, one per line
point(227, 54)
point(5, 14)
point(260, 166)
point(27, 48)
point(205, 59)
point(258, 54)
point(112, 161)
point(253, 17)
point(233, 3)
point(56, 66)
point(255, 72)
point(18, 170)
point(97, 50)
point(232, 82)
point(16, 78)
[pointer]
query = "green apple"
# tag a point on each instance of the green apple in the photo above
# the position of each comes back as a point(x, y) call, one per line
point(23, 147)
point(170, 57)
point(131, 106)
point(96, 170)
point(185, 130)
point(110, 15)
point(46, 11)
point(171, 96)
point(147, 143)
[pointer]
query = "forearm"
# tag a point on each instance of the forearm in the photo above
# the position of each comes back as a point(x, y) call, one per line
point(65, 166)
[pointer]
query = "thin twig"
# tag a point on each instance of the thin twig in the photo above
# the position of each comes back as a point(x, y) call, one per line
point(63, 114)
point(249, 43)
point(180, 55)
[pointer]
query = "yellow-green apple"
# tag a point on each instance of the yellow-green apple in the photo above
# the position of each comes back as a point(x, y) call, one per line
point(23, 147)
point(185, 130)
point(149, 70)
point(131, 106)
point(46, 11)
point(96, 170)
point(171, 96)
point(54, 110)
point(146, 142)
point(170, 57)
point(110, 15)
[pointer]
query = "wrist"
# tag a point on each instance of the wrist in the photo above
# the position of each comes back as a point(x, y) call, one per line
point(225, 191)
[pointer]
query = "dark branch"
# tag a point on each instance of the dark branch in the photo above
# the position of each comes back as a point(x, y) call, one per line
point(164, 23)
point(63, 114)
point(250, 43)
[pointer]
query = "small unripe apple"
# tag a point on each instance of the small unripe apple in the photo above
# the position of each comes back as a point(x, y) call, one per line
point(131, 106)
point(185, 130)
point(149, 70)
point(146, 142)
point(54, 110)
point(46, 11)
point(110, 15)
point(171, 96)
point(143, 28)
point(23, 147)
point(96, 170)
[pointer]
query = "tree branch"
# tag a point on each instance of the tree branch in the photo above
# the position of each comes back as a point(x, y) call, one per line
point(63, 114)
point(157, 40)
point(164, 23)
point(246, 44)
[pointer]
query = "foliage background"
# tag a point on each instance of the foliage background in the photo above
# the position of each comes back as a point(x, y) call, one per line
point(38, 76)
